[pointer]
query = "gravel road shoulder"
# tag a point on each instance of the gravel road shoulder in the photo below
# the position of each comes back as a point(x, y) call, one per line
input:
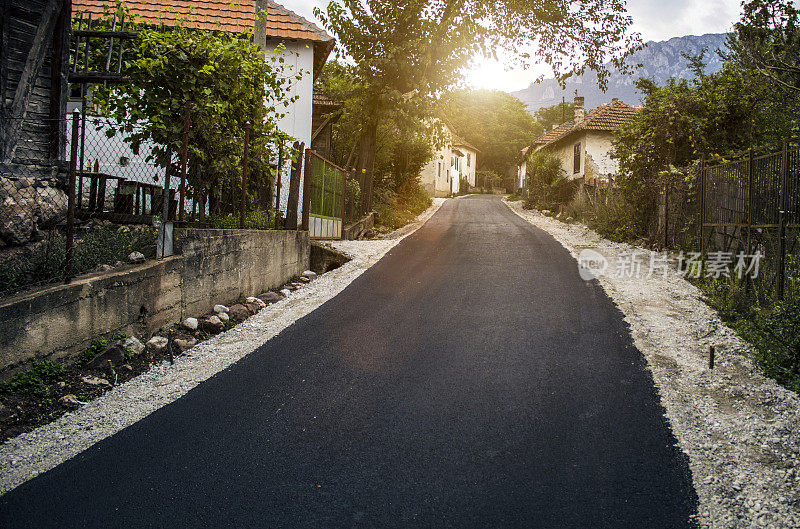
point(740, 429)
point(28, 455)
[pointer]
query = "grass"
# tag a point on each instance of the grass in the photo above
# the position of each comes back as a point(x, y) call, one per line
point(96, 244)
point(253, 220)
point(395, 210)
point(37, 379)
point(771, 327)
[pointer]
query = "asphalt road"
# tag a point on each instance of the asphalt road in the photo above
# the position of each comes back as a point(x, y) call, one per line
point(469, 379)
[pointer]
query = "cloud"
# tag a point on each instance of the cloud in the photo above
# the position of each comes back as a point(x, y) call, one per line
point(662, 20)
point(654, 19)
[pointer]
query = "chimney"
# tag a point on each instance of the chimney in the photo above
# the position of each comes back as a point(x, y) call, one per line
point(580, 113)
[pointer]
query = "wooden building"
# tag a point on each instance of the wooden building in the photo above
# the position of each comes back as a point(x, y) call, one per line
point(34, 59)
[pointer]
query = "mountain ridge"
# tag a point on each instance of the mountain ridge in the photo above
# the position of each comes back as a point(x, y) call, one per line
point(659, 61)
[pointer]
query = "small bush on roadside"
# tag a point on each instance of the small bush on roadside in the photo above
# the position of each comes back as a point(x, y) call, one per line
point(775, 334)
point(611, 219)
point(36, 379)
point(549, 187)
point(395, 210)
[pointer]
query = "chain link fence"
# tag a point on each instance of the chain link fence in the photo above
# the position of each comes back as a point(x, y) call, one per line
point(124, 205)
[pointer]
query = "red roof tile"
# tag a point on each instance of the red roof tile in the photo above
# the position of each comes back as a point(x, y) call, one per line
point(235, 17)
point(608, 117)
point(283, 23)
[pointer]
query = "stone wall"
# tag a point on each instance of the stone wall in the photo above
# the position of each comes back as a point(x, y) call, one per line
point(357, 229)
point(214, 266)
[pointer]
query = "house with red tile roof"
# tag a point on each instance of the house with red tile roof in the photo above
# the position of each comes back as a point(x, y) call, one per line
point(455, 160)
point(304, 47)
point(584, 143)
point(307, 47)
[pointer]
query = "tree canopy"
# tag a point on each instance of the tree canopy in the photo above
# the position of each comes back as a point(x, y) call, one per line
point(495, 122)
point(767, 39)
point(225, 80)
point(408, 52)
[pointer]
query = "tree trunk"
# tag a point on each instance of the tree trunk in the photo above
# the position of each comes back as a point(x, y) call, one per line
point(365, 169)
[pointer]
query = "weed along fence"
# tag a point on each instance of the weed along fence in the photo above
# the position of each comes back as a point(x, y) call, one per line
point(87, 236)
point(325, 191)
point(750, 203)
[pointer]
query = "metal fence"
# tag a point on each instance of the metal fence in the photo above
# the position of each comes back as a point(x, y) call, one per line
point(750, 202)
point(325, 184)
point(93, 204)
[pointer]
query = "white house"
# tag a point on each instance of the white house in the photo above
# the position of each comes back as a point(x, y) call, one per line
point(305, 49)
point(584, 144)
point(455, 160)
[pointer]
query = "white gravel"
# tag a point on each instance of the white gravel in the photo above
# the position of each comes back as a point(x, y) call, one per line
point(740, 429)
point(27, 455)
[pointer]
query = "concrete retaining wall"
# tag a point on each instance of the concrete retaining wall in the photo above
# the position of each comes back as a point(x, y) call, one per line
point(214, 266)
point(356, 230)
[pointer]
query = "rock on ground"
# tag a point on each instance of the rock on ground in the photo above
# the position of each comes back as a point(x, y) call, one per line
point(134, 345)
point(46, 447)
point(157, 344)
point(114, 354)
point(239, 312)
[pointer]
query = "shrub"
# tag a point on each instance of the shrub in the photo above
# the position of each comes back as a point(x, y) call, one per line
point(549, 187)
point(258, 219)
point(395, 210)
point(35, 380)
point(611, 218)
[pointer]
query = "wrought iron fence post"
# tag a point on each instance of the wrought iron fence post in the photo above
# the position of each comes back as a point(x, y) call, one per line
point(749, 199)
point(784, 195)
point(306, 191)
point(245, 163)
point(73, 162)
point(184, 161)
point(702, 204)
point(666, 216)
point(344, 191)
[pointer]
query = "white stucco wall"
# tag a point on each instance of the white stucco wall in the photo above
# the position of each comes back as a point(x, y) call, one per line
point(598, 147)
point(299, 58)
point(435, 182)
point(522, 170)
point(468, 171)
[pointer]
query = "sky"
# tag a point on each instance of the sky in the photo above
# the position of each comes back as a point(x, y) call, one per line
point(653, 19)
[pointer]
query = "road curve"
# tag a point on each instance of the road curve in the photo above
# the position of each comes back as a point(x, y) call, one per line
point(469, 379)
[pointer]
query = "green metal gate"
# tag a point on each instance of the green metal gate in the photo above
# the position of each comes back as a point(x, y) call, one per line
point(325, 185)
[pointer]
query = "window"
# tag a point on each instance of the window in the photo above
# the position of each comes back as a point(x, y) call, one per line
point(576, 159)
point(439, 174)
point(469, 159)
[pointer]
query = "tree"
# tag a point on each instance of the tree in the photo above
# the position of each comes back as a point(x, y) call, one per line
point(767, 39)
point(712, 115)
point(495, 122)
point(225, 80)
point(555, 115)
point(410, 51)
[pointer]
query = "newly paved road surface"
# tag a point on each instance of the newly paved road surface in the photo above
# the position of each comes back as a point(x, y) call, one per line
point(469, 379)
